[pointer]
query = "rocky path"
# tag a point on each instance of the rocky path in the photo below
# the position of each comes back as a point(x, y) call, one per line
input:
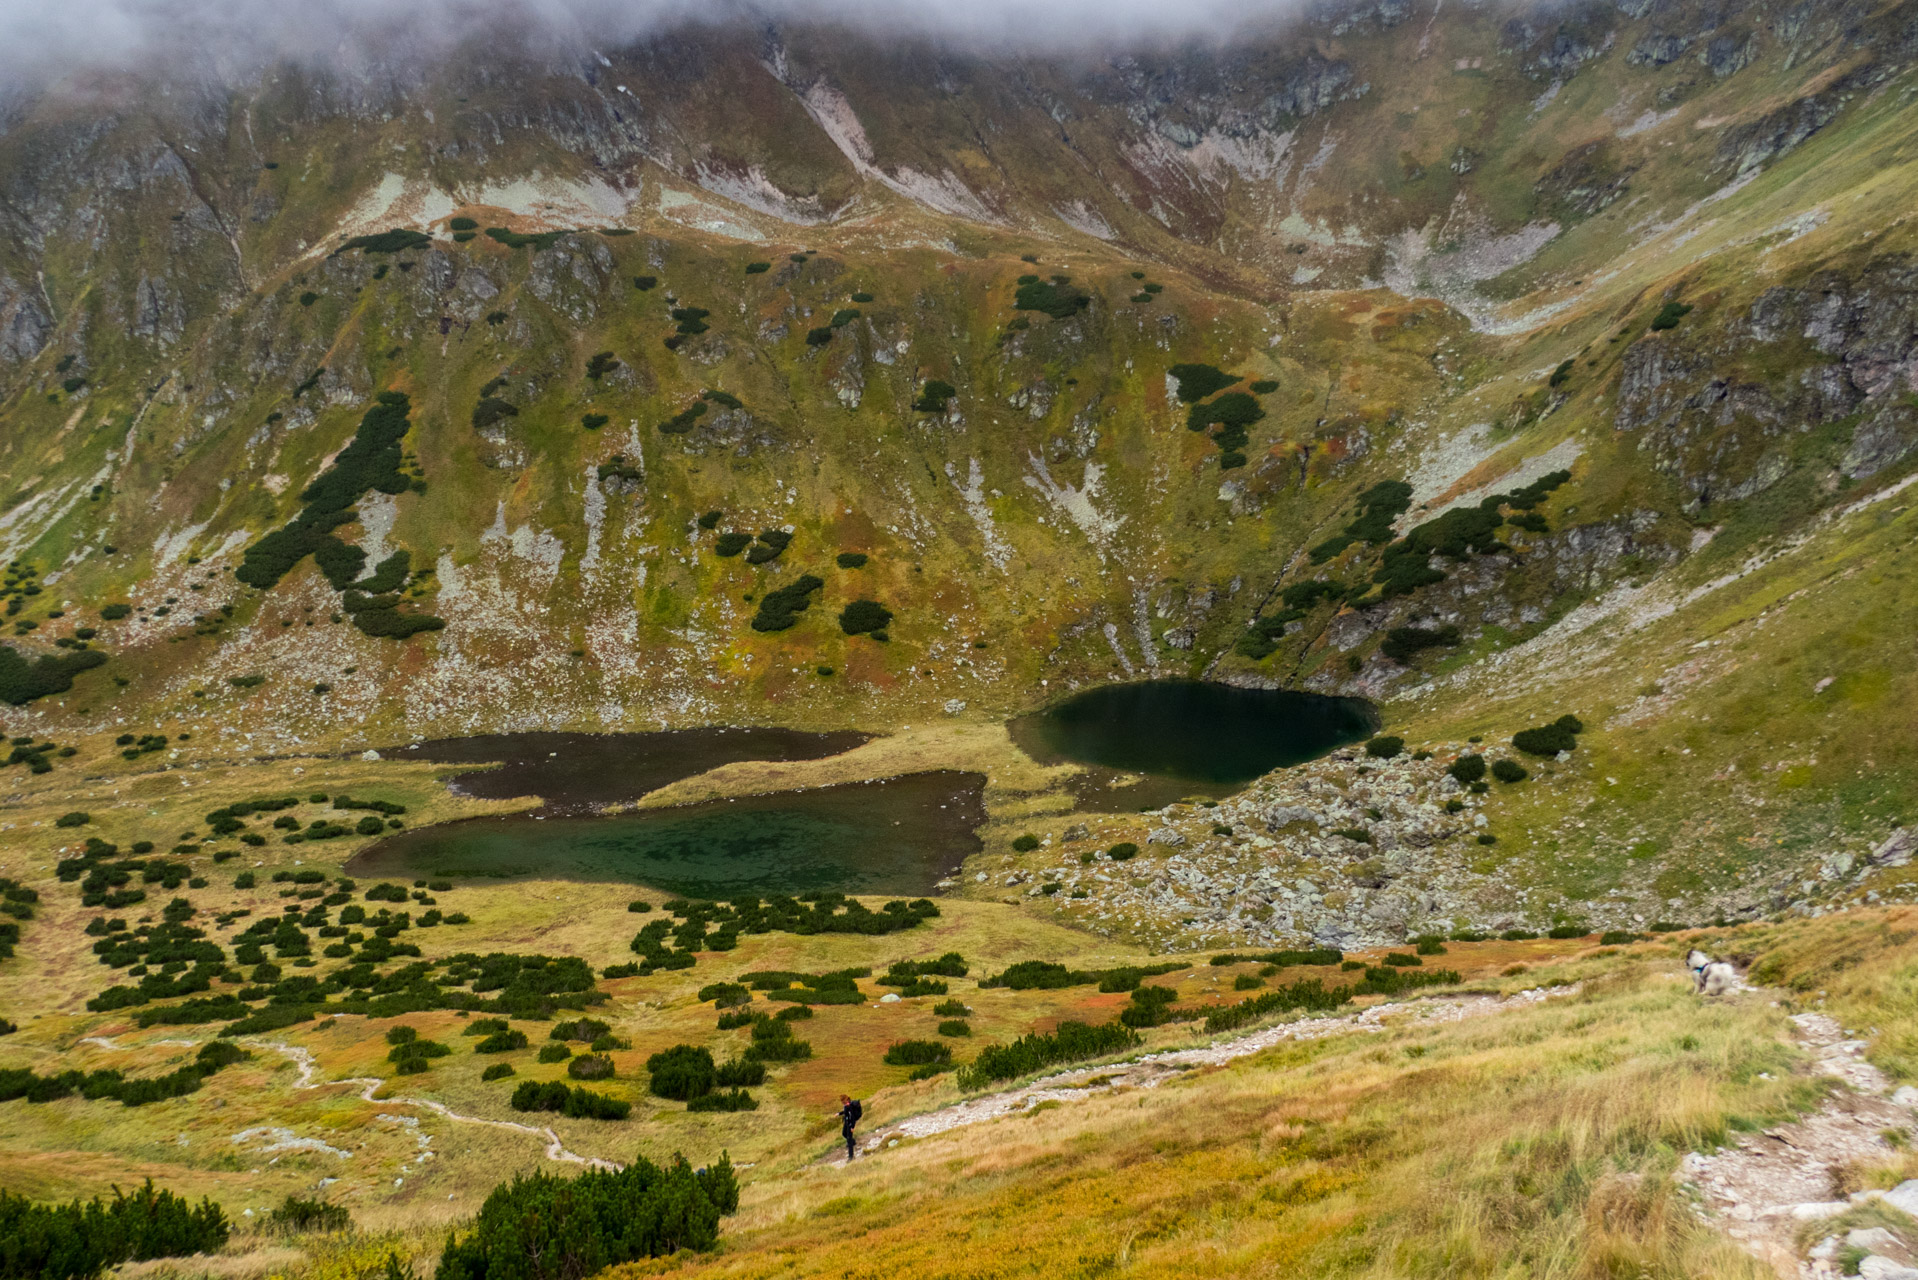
point(555, 1149)
point(1154, 1069)
point(1764, 1190)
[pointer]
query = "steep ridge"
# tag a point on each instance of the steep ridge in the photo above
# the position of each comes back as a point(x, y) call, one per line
point(1640, 273)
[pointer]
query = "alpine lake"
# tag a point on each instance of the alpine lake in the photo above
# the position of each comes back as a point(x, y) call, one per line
point(1139, 745)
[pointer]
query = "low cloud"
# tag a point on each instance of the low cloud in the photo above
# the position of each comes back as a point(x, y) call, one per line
point(51, 38)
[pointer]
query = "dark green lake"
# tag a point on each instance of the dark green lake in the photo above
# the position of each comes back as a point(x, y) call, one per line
point(582, 773)
point(897, 836)
point(1185, 737)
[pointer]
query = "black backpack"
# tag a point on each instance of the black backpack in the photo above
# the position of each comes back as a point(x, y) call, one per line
point(854, 1111)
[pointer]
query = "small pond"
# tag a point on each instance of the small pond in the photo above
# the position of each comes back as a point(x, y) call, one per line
point(579, 773)
point(897, 836)
point(1153, 742)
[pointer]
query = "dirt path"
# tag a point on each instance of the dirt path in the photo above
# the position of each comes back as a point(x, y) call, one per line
point(1762, 1191)
point(555, 1149)
point(1154, 1069)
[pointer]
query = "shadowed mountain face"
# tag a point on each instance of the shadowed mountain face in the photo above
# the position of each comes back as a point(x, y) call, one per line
point(1492, 362)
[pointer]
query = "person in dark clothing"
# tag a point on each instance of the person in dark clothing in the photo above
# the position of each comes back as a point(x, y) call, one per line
point(849, 1113)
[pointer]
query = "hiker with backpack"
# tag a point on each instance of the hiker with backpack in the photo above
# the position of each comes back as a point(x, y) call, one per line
point(849, 1113)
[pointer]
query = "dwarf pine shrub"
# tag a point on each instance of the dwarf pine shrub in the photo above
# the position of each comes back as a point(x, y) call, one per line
point(935, 396)
point(682, 1073)
point(1402, 644)
point(1056, 297)
point(780, 609)
point(548, 1227)
point(1669, 315)
point(1468, 768)
point(865, 617)
point(1197, 381)
point(77, 1239)
point(1068, 1042)
point(1509, 771)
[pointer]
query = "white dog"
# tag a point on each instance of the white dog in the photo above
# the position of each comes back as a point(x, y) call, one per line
point(1710, 977)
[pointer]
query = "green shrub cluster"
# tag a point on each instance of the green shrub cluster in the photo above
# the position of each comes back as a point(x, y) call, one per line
point(851, 559)
point(731, 544)
point(79, 1240)
point(1044, 975)
point(1617, 938)
point(371, 460)
point(1669, 315)
point(601, 364)
point(935, 396)
point(1197, 381)
point(1549, 740)
point(780, 609)
point(1509, 771)
point(394, 240)
point(1565, 931)
point(726, 995)
point(1150, 1007)
point(501, 1041)
point(839, 987)
point(22, 681)
point(575, 1103)
point(1391, 981)
point(618, 468)
point(724, 1100)
point(904, 973)
point(590, 1066)
point(21, 1082)
point(580, 1029)
point(772, 543)
point(773, 1042)
point(410, 1055)
point(917, 1053)
point(545, 1227)
point(1378, 508)
point(810, 913)
point(1459, 533)
point(865, 617)
point(1467, 769)
point(525, 240)
point(1068, 1042)
point(1308, 994)
point(1284, 959)
point(1055, 297)
point(1403, 644)
point(1384, 747)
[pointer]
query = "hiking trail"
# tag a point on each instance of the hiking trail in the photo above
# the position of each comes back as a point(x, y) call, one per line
point(1763, 1191)
point(303, 1058)
point(1153, 1069)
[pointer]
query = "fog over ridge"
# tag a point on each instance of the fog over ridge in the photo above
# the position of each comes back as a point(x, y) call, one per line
point(50, 38)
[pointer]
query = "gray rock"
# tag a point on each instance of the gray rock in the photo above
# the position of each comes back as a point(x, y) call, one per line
point(1903, 1197)
point(1897, 849)
point(1873, 1239)
point(1167, 836)
point(1876, 1267)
